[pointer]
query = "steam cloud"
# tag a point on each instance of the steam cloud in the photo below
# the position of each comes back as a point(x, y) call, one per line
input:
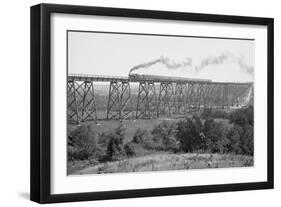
point(209, 61)
point(224, 57)
point(244, 66)
point(212, 61)
point(166, 62)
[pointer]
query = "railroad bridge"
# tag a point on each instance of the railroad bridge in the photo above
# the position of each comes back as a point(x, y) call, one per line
point(157, 96)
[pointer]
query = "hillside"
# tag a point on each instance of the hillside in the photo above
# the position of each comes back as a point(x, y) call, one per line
point(167, 161)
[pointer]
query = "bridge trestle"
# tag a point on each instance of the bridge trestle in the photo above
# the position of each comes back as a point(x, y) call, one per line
point(146, 101)
point(81, 101)
point(192, 97)
point(118, 100)
point(154, 98)
point(166, 99)
point(180, 98)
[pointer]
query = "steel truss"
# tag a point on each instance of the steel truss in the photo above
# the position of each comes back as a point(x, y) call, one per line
point(166, 101)
point(81, 101)
point(191, 97)
point(146, 101)
point(118, 99)
point(180, 98)
point(153, 100)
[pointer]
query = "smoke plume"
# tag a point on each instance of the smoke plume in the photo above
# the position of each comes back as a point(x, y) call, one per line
point(225, 57)
point(212, 61)
point(209, 61)
point(166, 62)
point(244, 66)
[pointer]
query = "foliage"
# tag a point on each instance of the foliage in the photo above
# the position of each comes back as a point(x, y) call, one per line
point(234, 136)
point(139, 136)
point(115, 148)
point(134, 149)
point(188, 134)
point(83, 144)
point(130, 149)
point(212, 113)
point(247, 140)
point(141, 141)
point(164, 136)
point(167, 161)
point(242, 117)
point(244, 122)
point(216, 136)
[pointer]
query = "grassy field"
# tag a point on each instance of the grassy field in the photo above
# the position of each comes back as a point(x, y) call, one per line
point(163, 162)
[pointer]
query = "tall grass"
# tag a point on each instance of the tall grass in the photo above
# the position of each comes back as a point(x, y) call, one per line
point(167, 161)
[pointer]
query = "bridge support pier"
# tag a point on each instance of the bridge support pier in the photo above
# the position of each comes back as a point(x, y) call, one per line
point(199, 96)
point(190, 97)
point(180, 98)
point(147, 101)
point(210, 96)
point(166, 99)
point(118, 99)
point(81, 101)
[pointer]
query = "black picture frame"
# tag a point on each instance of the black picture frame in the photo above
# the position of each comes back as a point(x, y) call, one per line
point(41, 98)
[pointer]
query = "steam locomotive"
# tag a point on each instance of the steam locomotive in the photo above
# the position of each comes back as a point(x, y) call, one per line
point(137, 77)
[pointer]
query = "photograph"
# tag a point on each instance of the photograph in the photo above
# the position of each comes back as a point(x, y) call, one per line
point(157, 102)
point(131, 102)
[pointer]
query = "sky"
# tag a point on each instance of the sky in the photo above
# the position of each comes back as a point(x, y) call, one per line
point(225, 60)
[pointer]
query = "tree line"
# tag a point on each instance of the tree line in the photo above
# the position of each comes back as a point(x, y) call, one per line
point(188, 135)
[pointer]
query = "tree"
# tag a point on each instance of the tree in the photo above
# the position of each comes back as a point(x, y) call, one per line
point(189, 134)
point(115, 148)
point(243, 116)
point(212, 113)
point(247, 141)
point(83, 143)
point(216, 139)
point(244, 122)
point(250, 115)
point(164, 135)
point(234, 137)
point(139, 136)
point(140, 141)
point(130, 149)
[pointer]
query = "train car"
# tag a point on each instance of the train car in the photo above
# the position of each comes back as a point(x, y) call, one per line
point(136, 77)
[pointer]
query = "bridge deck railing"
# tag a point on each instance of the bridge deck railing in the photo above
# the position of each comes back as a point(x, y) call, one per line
point(108, 78)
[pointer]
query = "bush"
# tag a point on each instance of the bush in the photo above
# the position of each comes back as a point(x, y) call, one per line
point(216, 136)
point(83, 144)
point(212, 113)
point(244, 122)
point(243, 117)
point(139, 136)
point(76, 153)
point(115, 148)
point(247, 141)
point(134, 149)
point(145, 140)
point(130, 149)
point(189, 134)
point(234, 136)
point(164, 137)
